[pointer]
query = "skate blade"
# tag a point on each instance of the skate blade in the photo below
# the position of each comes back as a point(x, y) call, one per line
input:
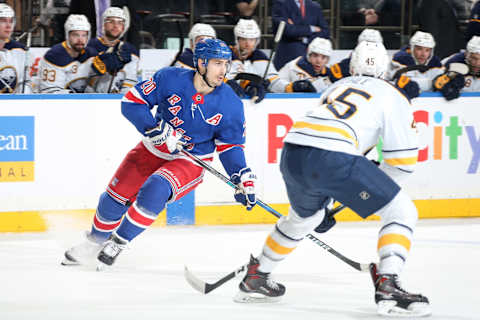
point(68, 260)
point(389, 308)
point(101, 267)
point(244, 297)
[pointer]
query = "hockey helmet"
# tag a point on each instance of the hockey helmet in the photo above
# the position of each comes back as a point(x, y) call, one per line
point(369, 59)
point(423, 39)
point(371, 35)
point(473, 47)
point(320, 46)
point(119, 13)
point(200, 29)
point(248, 29)
point(76, 22)
point(211, 49)
point(7, 12)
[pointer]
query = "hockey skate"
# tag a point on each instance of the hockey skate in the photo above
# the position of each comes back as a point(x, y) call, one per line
point(258, 287)
point(110, 251)
point(83, 253)
point(394, 301)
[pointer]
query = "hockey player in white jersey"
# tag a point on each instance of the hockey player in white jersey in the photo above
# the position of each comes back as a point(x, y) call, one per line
point(311, 67)
point(250, 60)
point(198, 32)
point(323, 158)
point(115, 25)
point(13, 56)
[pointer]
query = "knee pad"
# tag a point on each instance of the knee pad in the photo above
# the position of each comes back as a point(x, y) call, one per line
point(154, 194)
point(109, 209)
point(296, 227)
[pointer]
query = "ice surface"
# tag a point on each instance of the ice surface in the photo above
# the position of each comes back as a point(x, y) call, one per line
point(147, 280)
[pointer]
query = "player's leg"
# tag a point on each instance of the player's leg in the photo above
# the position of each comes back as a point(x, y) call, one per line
point(138, 164)
point(170, 182)
point(370, 191)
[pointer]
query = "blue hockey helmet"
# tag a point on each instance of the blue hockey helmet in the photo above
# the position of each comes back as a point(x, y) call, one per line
point(211, 49)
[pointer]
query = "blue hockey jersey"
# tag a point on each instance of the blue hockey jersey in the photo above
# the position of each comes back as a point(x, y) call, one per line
point(209, 122)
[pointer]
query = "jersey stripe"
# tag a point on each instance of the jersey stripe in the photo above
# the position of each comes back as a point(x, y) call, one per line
point(324, 128)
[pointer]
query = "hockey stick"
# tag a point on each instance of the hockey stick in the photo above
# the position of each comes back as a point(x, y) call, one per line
point(276, 40)
point(205, 288)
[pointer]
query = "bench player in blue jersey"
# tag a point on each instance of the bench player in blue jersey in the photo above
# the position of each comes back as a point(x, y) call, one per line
point(195, 109)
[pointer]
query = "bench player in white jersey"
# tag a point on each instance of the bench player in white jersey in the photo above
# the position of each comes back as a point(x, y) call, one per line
point(115, 25)
point(198, 32)
point(250, 60)
point(13, 56)
point(69, 66)
point(311, 67)
point(323, 158)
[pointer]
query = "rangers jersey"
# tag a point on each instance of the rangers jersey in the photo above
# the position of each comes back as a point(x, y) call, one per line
point(404, 58)
point(13, 57)
point(354, 112)
point(185, 60)
point(257, 63)
point(123, 79)
point(472, 83)
point(60, 73)
point(209, 122)
point(301, 69)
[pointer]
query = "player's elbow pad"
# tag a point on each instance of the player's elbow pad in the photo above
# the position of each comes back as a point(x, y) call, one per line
point(398, 174)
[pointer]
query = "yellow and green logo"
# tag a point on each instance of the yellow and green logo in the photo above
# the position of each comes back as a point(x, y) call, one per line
point(17, 148)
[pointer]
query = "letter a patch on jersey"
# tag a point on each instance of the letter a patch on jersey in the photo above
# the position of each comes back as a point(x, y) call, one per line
point(175, 109)
point(215, 120)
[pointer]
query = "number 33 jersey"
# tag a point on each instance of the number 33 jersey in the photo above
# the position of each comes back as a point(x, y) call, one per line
point(353, 114)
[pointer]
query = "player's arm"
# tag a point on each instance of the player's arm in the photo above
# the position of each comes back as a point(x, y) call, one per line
point(52, 78)
point(130, 70)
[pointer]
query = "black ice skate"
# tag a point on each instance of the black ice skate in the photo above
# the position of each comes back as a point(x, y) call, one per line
point(111, 249)
point(257, 286)
point(394, 301)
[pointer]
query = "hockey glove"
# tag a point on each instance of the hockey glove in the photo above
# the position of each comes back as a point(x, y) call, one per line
point(245, 192)
point(165, 138)
point(449, 84)
point(257, 90)
point(237, 88)
point(124, 55)
point(408, 86)
point(303, 86)
point(329, 219)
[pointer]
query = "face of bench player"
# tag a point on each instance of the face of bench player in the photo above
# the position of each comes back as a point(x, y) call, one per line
point(422, 54)
point(78, 39)
point(246, 46)
point(113, 27)
point(6, 28)
point(216, 70)
point(318, 61)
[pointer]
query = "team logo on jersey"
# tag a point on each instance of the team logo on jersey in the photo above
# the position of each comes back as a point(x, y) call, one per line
point(198, 98)
point(215, 120)
point(175, 109)
point(364, 195)
point(174, 99)
point(8, 79)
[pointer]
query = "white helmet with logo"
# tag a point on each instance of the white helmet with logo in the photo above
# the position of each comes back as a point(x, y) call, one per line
point(248, 29)
point(371, 35)
point(7, 12)
point(201, 29)
point(76, 22)
point(369, 59)
point(119, 13)
point(320, 46)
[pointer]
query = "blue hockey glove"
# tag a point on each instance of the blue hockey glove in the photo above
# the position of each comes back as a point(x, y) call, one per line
point(123, 53)
point(112, 60)
point(237, 88)
point(449, 84)
point(329, 219)
point(245, 193)
point(257, 90)
point(165, 138)
point(410, 87)
point(303, 86)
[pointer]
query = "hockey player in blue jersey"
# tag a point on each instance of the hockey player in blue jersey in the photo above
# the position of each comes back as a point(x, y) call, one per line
point(195, 109)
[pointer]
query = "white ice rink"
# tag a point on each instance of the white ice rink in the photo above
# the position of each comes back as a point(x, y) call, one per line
point(147, 280)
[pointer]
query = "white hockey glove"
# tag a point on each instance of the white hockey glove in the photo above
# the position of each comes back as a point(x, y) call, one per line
point(245, 193)
point(165, 138)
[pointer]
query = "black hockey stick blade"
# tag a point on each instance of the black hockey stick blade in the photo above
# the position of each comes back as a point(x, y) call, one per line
point(205, 287)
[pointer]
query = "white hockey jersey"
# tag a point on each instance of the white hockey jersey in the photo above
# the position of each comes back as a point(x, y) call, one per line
point(472, 83)
point(13, 57)
point(124, 79)
point(257, 64)
point(353, 114)
point(60, 73)
point(300, 69)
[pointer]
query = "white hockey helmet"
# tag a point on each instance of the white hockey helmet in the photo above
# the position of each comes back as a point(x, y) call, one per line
point(201, 29)
point(473, 45)
point(119, 13)
point(247, 28)
point(369, 59)
point(320, 46)
point(371, 35)
point(76, 22)
point(7, 12)
point(423, 39)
